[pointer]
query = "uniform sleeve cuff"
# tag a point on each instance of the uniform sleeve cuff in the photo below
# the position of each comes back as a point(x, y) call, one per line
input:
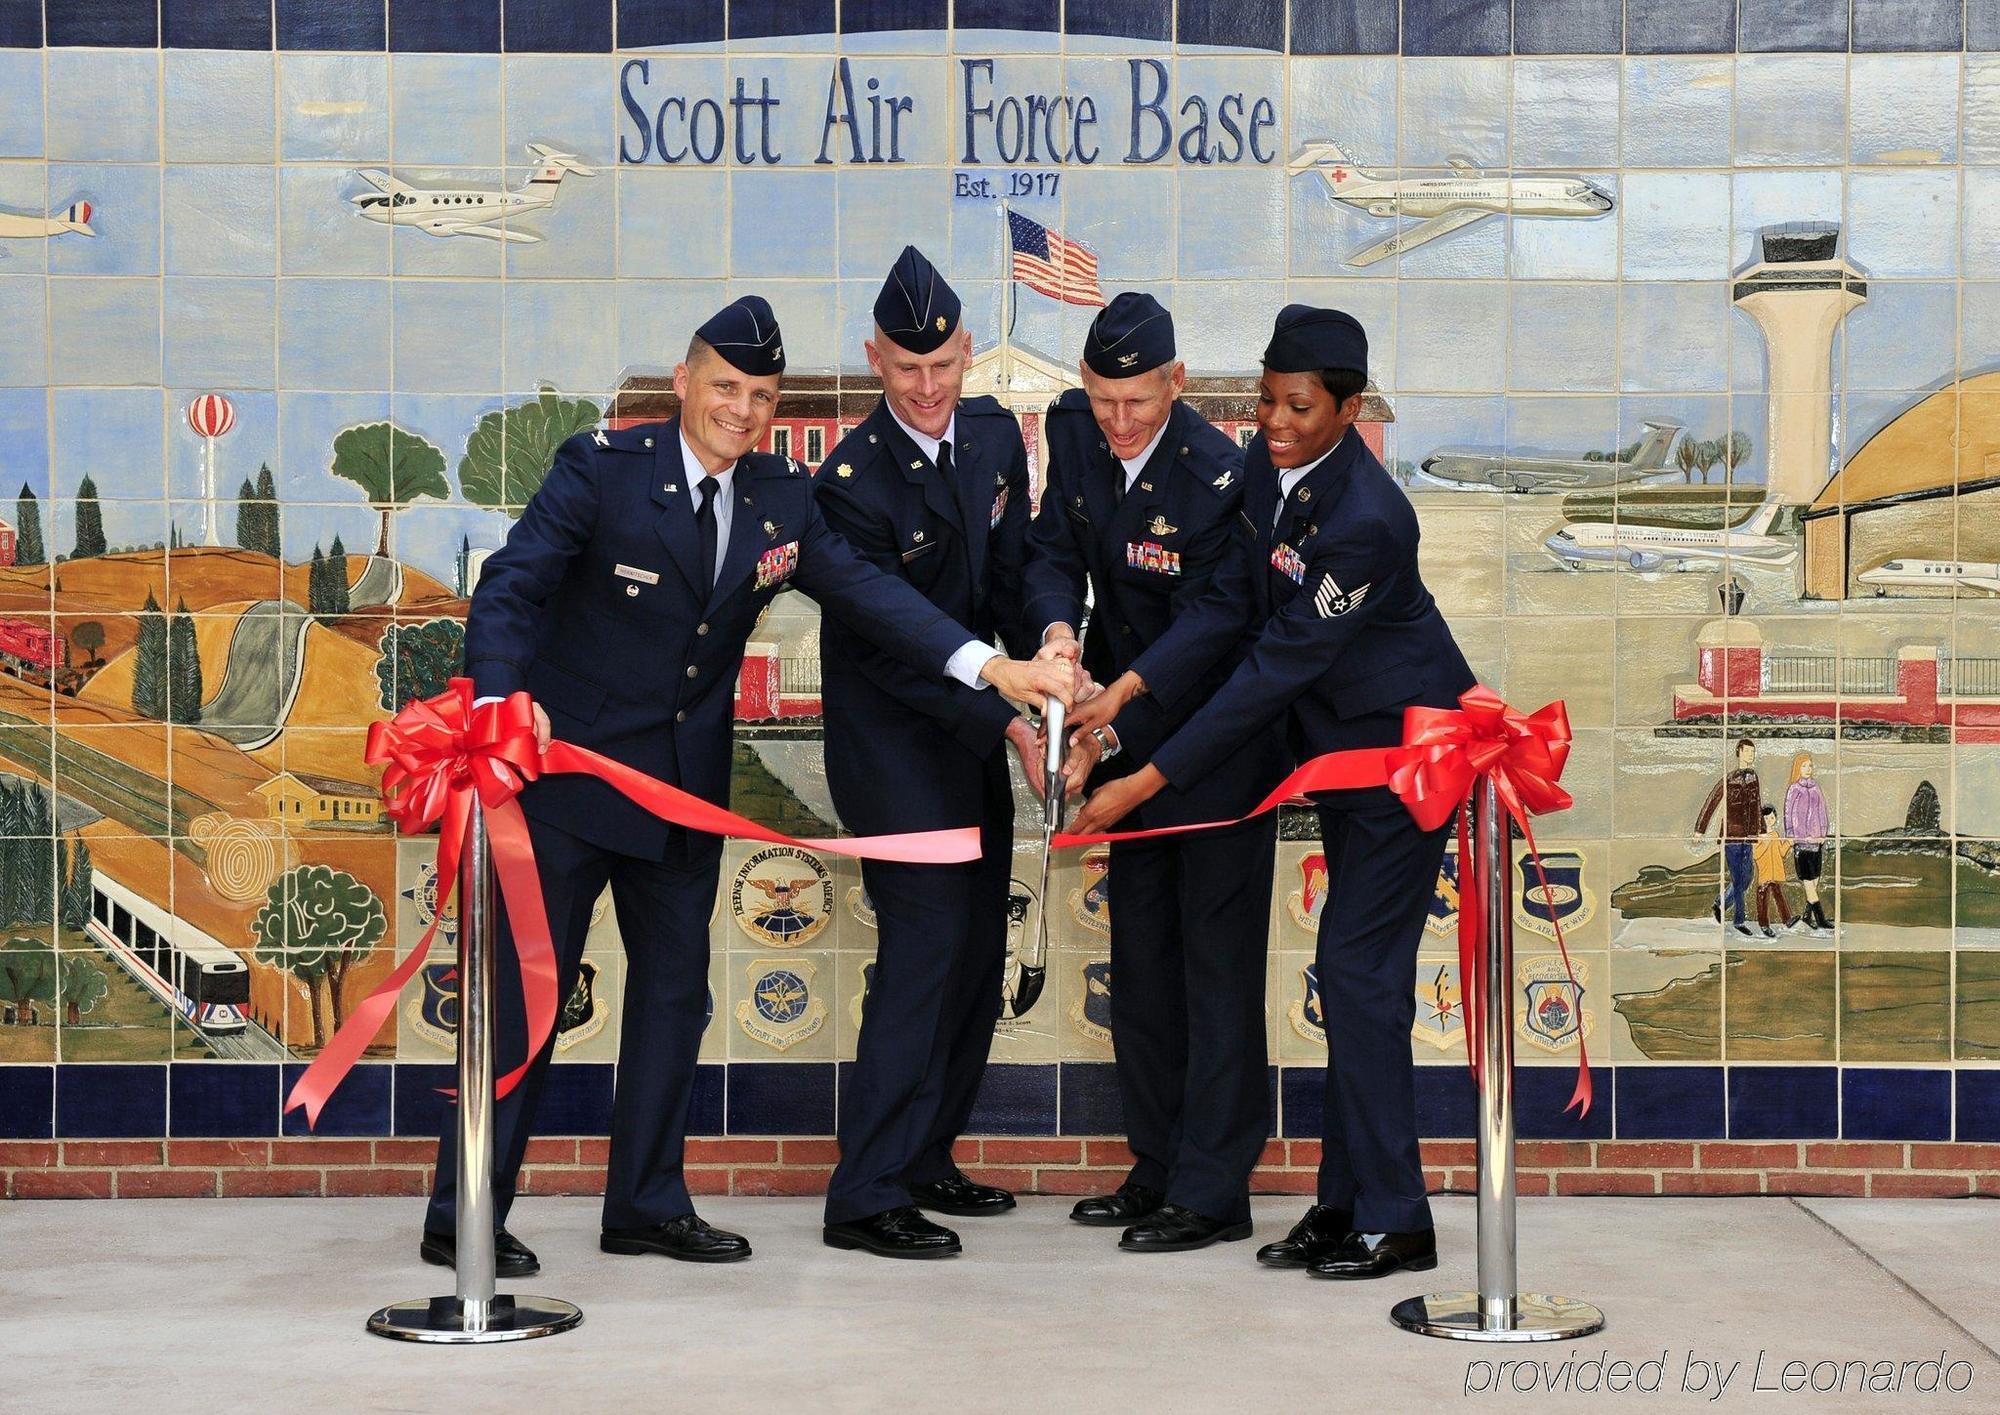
point(964, 665)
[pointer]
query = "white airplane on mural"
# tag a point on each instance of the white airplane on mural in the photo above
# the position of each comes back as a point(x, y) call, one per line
point(1940, 574)
point(1445, 204)
point(469, 211)
point(1650, 548)
point(1474, 469)
point(20, 225)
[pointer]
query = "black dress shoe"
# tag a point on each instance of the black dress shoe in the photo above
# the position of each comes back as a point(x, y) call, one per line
point(1174, 1229)
point(955, 1194)
point(1311, 1238)
point(1362, 1255)
point(686, 1238)
point(1131, 1203)
point(898, 1233)
point(511, 1257)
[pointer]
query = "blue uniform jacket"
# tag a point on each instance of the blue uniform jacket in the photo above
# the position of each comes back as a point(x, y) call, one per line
point(1150, 555)
point(904, 750)
point(1349, 635)
point(593, 607)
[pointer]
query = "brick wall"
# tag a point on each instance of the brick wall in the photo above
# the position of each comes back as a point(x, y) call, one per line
point(155, 1169)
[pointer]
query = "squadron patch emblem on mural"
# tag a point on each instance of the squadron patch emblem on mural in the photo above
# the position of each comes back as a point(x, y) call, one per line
point(1307, 1012)
point(860, 905)
point(1440, 1005)
point(1443, 917)
point(432, 1011)
point(782, 896)
point(1550, 1007)
point(1307, 899)
point(782, 1009)
point(1090, 902)
point(1090, 1010)
point(1569, 903)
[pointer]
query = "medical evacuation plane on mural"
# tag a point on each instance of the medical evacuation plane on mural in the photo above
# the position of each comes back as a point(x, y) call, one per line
point(22, 225)
point(469, 211)
point(1444, 204)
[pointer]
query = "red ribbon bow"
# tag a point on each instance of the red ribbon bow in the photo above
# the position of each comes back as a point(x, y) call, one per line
point(442, 754)
point(1446, 752)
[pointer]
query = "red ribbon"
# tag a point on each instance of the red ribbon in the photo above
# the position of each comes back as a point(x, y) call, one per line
point(1445, 753)
point(442, 754)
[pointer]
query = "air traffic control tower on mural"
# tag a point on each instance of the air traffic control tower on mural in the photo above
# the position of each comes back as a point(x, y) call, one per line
point(1798, 289)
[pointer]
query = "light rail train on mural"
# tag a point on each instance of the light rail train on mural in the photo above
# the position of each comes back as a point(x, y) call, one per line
point(205, 983)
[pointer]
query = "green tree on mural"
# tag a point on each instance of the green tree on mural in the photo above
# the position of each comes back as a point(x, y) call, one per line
point(73, 877)
point(316, 924)
point(80, 984)
point(257, 514)
point(511, 449)
point(393, 467)
point(89, 521)
point(28, 976)
point(1924, 816)
point(149, 663)
point(183, 667)
point(88, 636)
point(418, 660)
point(28, 529)
point(327, 590)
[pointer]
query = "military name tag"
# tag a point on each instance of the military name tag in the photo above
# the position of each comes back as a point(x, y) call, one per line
point(777, 564)
point(1288, 563)
point(632, 572)
point(1150, 555)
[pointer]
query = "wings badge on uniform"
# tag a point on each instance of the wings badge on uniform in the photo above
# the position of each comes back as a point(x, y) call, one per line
point(1332, 601)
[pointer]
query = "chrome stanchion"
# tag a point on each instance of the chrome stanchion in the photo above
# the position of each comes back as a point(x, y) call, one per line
point(475, 1313)
point(1497, 1311)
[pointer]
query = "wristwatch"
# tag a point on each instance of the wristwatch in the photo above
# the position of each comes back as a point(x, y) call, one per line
point(1108, 748)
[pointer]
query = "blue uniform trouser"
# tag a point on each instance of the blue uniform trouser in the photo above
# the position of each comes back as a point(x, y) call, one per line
point(1190, 930)
point(1741, 863)
point(663, 910)
point(1381, 871)
point(927, 1025)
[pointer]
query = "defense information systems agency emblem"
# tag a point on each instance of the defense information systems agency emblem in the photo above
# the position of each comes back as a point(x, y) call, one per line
point(782, 896)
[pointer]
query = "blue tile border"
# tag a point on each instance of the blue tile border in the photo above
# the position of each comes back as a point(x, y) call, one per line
point(1345, 26)
point(331, 25)
point(1437, 28)
point(1569, 27)
point(1015, 1100)
point(1235, 24)
point(1894, 1103)
point(1671, 1103)
point(362, 1107)
point(215, 24)
point(121, 24)
point(1791, 26)
point(780, 1098)
point(1541, 1092)
point(1978, 1105)
point(444, 26)
point(1680, 26)
point(113, 1100)
point(418, 1106)
point(1784, 1102)
point(1909, 25)
point(222, 1100)
point(28, 1103)
point(556, 26)
point(1089, 1098)
point(20, 24)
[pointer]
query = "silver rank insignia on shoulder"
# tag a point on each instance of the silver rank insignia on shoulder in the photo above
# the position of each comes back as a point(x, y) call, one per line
point(843, 470)
point(1159, 527)
point(873, 438)
point(600, 439)
point(649, 442)
point(916, 464)
point(771, 530)
point(916, 537)
point(1145, 486)
point(1222, 482)
point(1331, 601)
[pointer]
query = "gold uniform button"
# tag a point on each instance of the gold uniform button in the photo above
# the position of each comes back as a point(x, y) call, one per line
point(693, 672)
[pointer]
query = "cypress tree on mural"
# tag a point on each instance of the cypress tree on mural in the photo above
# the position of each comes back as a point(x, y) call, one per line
point(149, 663)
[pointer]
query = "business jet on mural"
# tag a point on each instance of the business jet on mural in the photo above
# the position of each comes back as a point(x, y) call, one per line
point(1474, 469)
point(1941, 574)
point(1445, 204)
point(20, 225)
point(1647, 549)
point(469, 211)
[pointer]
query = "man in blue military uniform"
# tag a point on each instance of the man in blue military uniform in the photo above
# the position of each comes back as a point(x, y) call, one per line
point(931, 487)
point(1142, 507)
point(1349, 638)
point(621, 603)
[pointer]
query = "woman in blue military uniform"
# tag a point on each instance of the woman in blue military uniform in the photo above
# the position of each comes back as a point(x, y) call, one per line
point(1141, 508)
point(1349, 637)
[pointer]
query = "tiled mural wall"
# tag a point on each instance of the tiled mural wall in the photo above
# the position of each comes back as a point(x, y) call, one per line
point(1686, 324)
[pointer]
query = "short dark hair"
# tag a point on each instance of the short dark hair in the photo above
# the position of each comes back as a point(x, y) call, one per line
point(1770, 812)
point(1343, 383)
point(1742, 742)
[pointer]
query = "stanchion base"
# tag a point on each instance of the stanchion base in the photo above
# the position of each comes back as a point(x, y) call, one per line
point(1457, 1316)
point(444, 1319)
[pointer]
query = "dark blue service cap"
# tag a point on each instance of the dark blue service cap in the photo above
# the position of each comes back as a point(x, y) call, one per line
point(917, 309)
point(1305, 340)
point(1130, 335)
point(745, 333)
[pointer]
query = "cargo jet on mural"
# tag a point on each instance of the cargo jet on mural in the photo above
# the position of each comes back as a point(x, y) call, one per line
point(22, 226)
point(469, 211)
point(1445, 204)
point(1473, 469)
point(1650, 548)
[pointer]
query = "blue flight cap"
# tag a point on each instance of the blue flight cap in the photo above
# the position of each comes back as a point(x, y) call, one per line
point(745, 333)
point(1130, 335)
point(1305, 340)
point(916, 308)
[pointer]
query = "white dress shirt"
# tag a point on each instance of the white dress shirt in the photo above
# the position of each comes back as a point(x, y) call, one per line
point(1290, 477)
point(1134, 465)
point(966, 663)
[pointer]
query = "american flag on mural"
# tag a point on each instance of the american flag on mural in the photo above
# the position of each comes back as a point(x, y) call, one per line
point(1051, 265)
